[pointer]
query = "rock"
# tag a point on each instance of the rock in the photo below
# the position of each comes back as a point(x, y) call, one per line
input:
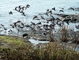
point(24, 35)
point(43, 40)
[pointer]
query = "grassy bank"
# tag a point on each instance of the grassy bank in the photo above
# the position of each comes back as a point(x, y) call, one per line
point(46, 53)
point(20, 49)
point(11, 41)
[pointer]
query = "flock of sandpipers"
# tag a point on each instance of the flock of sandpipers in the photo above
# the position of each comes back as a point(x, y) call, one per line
point(20, 9)
point(46, 21)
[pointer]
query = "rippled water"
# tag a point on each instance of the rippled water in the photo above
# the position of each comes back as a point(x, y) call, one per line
point(36, 6)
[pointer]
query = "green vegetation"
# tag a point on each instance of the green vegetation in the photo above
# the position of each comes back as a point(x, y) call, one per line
point(26, 51)
point(50, 52)
point(11, 41)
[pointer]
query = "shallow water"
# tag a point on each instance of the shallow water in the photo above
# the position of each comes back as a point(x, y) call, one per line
point(35, 42)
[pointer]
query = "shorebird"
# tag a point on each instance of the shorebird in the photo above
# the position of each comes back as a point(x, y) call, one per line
point(12, 25)
point(45, 26)
point(77, 26)
point(20, 26)
point(2, 25)
point(27, 6)
point(33, 23)
point(19, 6)
point(38, 23)
point(47, 10)
point(70, 8)
point(61, 11)
point(66, 20)
point(18, 21)
point(53, 9)
point(23, 7)
point(50, 11)
point(5, 28)
point(27, 25)
point(16, 9)
point(10, 32)
point(42, 17)
point(10, 12)
point(23, 14)
point(36, 18)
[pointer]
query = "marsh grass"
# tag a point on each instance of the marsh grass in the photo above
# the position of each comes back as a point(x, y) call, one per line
point(51, 51)
point(64, 35)
point(26, 51)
